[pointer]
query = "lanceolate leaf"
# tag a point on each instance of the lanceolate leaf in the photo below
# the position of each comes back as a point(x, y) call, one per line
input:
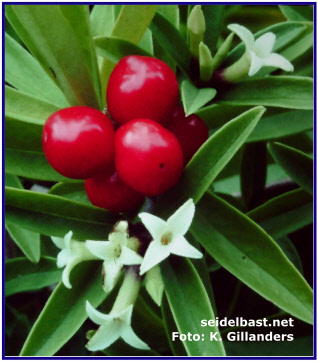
point(214, 21)
point(298, 165)
point(21, 275)
point(74, 191)
point(114, 49)
point(102, 19)
point(25, 73)
point(171, 40)
point(210, 159)
point(21, 104)
point(48, 34)
point(27, 241)
point(245, 250)
point(79, 19)
point(297, 13)
point(185, 291)
point(55, 216)
point(18, 163)
point(276, 91)
point(194, 98)
point(64, 312)
point(284, 214)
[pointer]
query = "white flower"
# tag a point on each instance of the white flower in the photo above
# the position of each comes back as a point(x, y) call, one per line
point(72, 253)
point(112, 327)
point(154, 284)
point(259, 51)
point(168, 236)
point(116, 253)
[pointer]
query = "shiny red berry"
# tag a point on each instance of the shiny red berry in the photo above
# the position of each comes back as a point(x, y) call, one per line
point(148, 157)
point(78, 142)
point(190, 131)
point(142, 87)
point(112, 193)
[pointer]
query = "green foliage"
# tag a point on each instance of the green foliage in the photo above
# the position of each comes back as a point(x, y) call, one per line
point(257, 224)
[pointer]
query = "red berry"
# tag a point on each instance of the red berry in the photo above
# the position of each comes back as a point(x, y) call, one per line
point(148, 157)
point(78, 142)
point(142, 87)
point(112, 193)
point(190, 131)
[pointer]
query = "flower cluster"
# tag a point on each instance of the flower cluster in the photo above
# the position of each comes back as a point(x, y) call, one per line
point(119, 251)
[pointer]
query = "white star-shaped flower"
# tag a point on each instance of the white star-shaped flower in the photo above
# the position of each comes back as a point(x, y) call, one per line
point(120, 250)
point(112, 327)
point(168, 236)
point(259, 51)
point(72, 253)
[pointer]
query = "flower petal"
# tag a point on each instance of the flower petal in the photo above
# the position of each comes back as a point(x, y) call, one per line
point(256, 64)
point(119, 234)
point(67, 239)
point(181, 247)
point(59, 242)
point(125, 315)
point(279, 61)
point(156, 252)
point(101, 249)
point(132, 339)
point(244, 34)
point(97, 317)
point(263, 46)
point(129, 257)
point(63, 258)
point(106, 335)
point(180, 221)
point(154, 284)
point(155, 225)
point(111, 273)
point(67, 271)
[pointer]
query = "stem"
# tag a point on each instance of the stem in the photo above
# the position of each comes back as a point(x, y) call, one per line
point(129, 290)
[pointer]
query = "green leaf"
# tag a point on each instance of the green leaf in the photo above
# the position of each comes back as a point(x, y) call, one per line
point(298, 165)
point(176, 345)
point(297, 13)
point(245, 250)
point(48, 35)
point(55, 216)
point(278, 123)
point(114, 49)
point(194, 98)
point(210, 159)
point(21, 275)
point(73, 191)
point(18, 163)
point(214, 16)
point(27, 241)
point(185, 291)
point(172, 41)
point(171, 13)
point(284, 214)
point(78, 18)
point(276, 91)
point(23, 132)
point(290, 251)
point(24, 72)
point(102, 19)
point(64, 312)
point(20, 104)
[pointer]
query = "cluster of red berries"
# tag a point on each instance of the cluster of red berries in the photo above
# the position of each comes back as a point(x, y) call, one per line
point(145, 156)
